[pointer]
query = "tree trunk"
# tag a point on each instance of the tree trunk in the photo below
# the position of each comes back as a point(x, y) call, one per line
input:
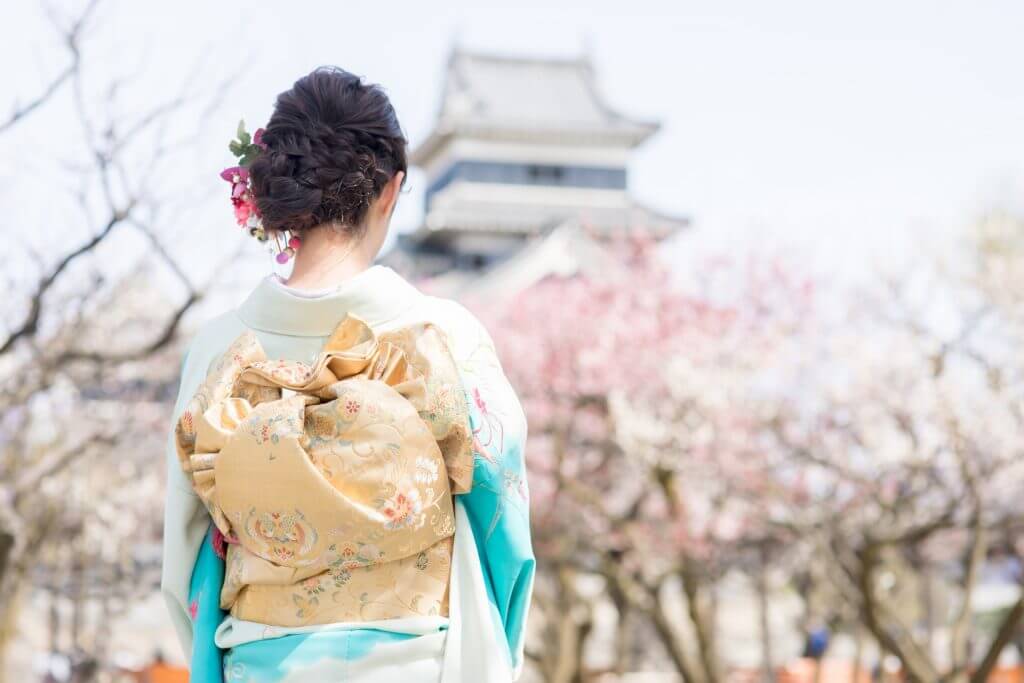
point(702, 619)
point(928, 598)
point(1004, 635)
point(6, 549)
point(674, 645)
point(8, 596)
point(565, 664)
point(8, 627)
point(623, 628)
point(767, 667)
point(918, 667)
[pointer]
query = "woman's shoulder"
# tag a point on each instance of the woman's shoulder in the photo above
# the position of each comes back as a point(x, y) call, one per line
point(464, 329)
point(479, 364)
point(208, 341)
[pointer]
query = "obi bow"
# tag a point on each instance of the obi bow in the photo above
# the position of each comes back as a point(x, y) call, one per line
point(333, 481)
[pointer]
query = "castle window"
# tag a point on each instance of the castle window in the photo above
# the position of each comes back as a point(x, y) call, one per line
point(507, 173)
point(545, 175)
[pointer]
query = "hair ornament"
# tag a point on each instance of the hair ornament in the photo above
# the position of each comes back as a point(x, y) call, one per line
point(247, 214)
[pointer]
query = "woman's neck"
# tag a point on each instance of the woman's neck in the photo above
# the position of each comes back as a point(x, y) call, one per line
point(326, 259)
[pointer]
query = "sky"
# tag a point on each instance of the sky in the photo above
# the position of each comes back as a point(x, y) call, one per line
point(848, 132)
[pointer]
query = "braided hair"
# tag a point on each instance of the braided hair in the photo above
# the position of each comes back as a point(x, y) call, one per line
point(331, 145)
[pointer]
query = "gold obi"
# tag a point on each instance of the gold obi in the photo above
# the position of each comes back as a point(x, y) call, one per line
point(332, 482)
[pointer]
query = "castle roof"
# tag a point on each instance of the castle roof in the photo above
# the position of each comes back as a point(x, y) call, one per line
point(527, 98)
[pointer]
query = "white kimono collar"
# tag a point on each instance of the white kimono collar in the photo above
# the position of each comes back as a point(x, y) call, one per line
point(377, 295)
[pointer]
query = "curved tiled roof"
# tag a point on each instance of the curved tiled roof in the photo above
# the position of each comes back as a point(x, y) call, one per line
point(520, 97)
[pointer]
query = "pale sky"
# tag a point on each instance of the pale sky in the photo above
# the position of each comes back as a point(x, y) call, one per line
point(843, 128)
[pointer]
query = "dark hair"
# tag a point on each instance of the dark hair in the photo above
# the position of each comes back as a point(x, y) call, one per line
point(332, 144)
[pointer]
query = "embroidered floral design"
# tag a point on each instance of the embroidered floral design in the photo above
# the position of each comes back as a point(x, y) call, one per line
point(353, 556)
point(402, 509)
point(306, 604)
point(443, 525)
point(426, 470)
point(321, 424)
point(489, 434)
point(352, 407)
point(285, 372)
point(444, 407)
point(389, 454)
point(313, 587)
point(271, 428)
point(339, 572)
point(497, 451)
point(285, 538)
point(480, 450)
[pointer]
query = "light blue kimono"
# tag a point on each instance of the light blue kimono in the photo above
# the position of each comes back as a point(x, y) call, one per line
point(498, 514)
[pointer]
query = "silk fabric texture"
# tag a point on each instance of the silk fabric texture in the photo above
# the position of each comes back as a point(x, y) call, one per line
point(332, 482)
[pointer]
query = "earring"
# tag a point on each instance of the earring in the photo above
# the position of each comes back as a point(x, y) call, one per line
point(284, 255)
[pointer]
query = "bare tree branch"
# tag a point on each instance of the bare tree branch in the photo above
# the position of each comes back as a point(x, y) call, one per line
point(71, 37)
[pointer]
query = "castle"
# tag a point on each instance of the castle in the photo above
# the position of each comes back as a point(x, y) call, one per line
point(524, 151)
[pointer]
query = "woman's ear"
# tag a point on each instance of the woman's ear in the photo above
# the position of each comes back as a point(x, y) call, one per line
point(389, 197)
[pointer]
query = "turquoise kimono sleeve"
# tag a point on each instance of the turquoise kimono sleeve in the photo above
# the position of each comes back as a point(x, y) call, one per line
point(498, 504)
point(204, 587)
point(204, 608)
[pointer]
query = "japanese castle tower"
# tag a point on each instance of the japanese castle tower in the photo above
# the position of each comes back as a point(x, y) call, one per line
point(522, 149)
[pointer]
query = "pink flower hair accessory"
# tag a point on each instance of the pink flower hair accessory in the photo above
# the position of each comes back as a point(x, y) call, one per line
point(247, 214)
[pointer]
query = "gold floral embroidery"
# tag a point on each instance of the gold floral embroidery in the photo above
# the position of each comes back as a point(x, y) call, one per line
point(281, 537)
point(337, 497)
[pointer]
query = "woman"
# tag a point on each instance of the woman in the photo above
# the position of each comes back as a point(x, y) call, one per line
point(346, 492)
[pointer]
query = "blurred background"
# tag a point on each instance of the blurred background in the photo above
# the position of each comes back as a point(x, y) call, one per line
point(755, 269)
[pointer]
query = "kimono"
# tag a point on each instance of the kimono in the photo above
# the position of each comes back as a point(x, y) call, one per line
point(473, 630)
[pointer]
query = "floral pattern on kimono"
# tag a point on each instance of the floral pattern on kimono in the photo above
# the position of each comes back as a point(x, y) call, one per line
point(337, 497)
point(497, 506)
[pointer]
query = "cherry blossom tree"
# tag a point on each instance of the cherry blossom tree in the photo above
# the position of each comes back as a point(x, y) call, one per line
point(646, 473)
point(907, 440)
point(866, 442)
